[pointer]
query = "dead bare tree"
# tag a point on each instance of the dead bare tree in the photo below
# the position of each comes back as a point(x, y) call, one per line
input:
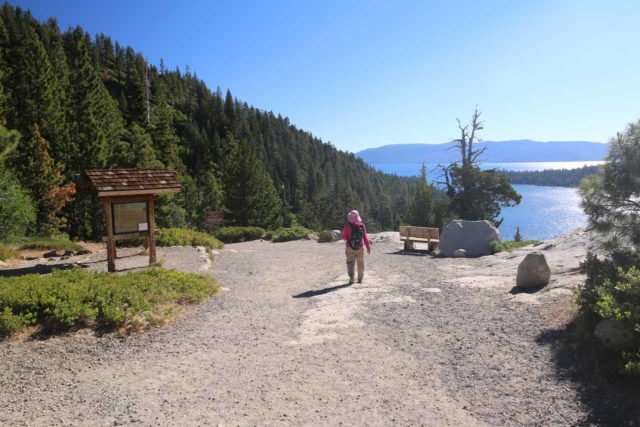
point(468, 137)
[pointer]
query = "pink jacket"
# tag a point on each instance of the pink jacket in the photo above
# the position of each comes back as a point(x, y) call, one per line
point(346, 233)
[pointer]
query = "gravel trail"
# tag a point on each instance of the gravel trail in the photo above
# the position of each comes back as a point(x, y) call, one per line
point(287, 342)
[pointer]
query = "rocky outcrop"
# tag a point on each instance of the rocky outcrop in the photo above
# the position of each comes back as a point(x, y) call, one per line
point(472, 236)
point(613, 334)
point(329, 236)
point(533, 271)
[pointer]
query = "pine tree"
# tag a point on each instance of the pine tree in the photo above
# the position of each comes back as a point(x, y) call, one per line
point(43, 178)
point(518, 236)
point(250, 196)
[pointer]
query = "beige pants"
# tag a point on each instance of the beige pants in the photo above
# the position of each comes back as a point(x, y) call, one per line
point(354, 256)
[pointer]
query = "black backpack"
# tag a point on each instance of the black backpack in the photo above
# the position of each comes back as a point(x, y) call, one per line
point(357, 233)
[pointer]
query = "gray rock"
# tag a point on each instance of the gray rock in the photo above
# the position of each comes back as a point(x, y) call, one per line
point(50, 254)
point(312, 236)
point(613, 334)
point(83, 252)
point(329, 236)
point(472, 236)
point(459, 253)
point(68, 253)
point(533, 271)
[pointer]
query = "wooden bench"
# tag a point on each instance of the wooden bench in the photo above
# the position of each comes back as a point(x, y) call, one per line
point(410, 235)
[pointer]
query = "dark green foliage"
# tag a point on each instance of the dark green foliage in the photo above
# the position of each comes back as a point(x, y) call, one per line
point(509, 245)
point(518, 236)
point(479, 194)
point(185, 237)
point(74, 298)
point(552, 177)
point(250, 196)
point(288, 234)
point(611, 199)
point(236, 234)
point(17, 214)
point(99, 104)
point(428, 207)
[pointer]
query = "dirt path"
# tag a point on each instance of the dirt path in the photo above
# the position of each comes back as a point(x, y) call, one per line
point(287, 342)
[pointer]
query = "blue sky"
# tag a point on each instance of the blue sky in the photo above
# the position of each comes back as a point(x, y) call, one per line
point(368, 73)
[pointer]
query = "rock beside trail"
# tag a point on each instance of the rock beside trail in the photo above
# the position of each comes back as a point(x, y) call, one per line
point(312, 236)
point(459, 253)
point(613, 334)
point(533, 271)
point(329, 236)
point(474, 237)
point(51, 254)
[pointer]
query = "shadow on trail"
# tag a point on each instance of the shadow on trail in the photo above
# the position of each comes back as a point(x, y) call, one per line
point(415, 252)
point(315, 293)
point(516, 290)
point(607, 399)
point(36, 269)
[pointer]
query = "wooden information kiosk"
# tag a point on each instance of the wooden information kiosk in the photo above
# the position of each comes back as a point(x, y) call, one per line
point(127, 196)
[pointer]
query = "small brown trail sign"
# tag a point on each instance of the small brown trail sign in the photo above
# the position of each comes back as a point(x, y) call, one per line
point(214, 218)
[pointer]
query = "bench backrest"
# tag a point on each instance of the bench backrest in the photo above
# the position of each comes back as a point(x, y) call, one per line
point(419, 232)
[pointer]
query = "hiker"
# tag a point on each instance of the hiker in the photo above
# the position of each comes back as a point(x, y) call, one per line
point(355, 233)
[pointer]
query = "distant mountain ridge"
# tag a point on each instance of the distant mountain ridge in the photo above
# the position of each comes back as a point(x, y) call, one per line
point(523, 150)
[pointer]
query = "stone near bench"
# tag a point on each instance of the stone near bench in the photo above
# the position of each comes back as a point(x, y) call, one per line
point(474, 237)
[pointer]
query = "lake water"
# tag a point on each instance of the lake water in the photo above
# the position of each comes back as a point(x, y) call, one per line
point(544, 212)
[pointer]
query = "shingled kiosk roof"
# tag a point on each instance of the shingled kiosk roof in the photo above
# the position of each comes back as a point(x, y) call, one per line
point(125, 182)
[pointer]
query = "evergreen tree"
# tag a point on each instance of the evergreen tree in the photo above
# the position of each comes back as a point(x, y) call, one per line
point(427, 207)
point(611, 199)
point(518, 236)
point(250, 196)
point(43, 178)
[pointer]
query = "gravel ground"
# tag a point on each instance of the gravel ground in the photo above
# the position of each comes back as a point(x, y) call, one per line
point(287, 342)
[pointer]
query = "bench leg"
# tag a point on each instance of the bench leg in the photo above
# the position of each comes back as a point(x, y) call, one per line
point(406, 245)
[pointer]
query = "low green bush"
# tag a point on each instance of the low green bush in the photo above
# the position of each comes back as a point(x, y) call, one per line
point(58, 243)
point(612, 291)
point(509, 245)
point(186, 237)
point(6, 252)
point(292, 233)
point(75, 298)
point(236, 234)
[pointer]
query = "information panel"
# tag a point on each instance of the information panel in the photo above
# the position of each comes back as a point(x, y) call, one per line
point(214, 218)
point(130, 217)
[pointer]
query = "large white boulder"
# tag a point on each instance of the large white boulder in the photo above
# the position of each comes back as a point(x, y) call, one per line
point(330, 236)
point(533, 271)
point(472, 236)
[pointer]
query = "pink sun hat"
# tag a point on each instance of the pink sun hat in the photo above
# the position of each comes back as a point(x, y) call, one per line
point(354, 217)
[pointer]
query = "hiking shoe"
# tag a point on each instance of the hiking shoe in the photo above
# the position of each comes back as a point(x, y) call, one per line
point(359, 280)
point(351, 280)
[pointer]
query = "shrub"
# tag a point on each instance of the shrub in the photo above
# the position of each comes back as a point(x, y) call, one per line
point(292, 233)
point(612, 291)
point(509, 245)
point(60, 242)
point(236, 234)
point(73, 298)
point(6, 252)
point(186, 237)
point(17, 213)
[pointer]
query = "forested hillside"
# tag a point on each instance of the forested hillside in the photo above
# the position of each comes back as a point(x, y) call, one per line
point(88, 102)
point(553, 177)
